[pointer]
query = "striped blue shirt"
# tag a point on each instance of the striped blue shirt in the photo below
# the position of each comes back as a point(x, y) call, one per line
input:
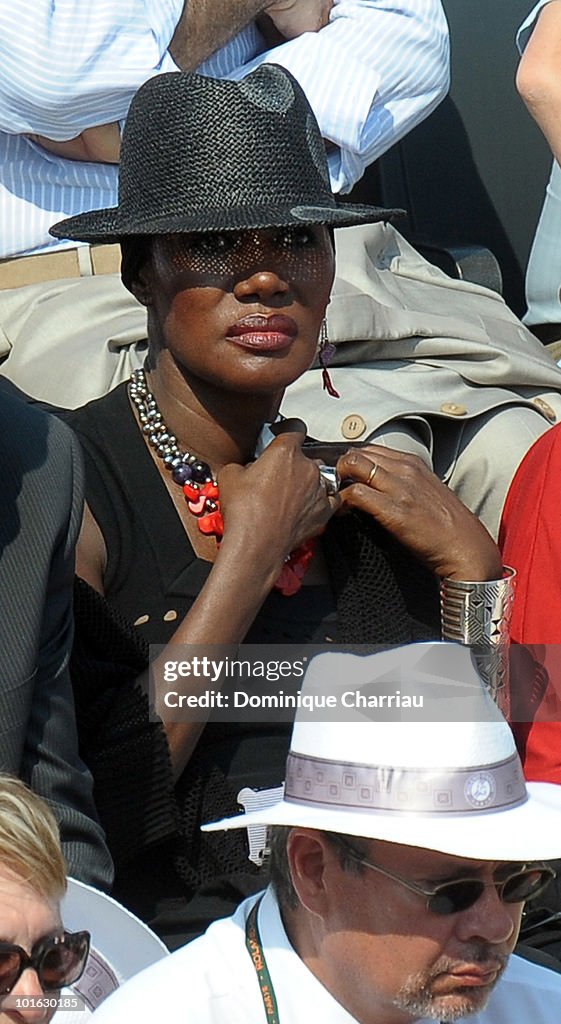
point(375, 71)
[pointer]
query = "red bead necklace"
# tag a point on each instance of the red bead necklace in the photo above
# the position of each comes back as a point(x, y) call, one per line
point(199, 486)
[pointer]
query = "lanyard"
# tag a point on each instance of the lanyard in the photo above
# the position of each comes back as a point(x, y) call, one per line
point(255, 950)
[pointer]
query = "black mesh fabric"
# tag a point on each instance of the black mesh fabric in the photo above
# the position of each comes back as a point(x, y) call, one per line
point(125, 752)
point(383, 597)
point(205, 794)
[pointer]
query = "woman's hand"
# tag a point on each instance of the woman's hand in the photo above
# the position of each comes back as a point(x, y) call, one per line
point(419, 510)
point(276, 503)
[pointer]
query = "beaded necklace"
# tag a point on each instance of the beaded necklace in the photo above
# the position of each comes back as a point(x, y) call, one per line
point(199, 486)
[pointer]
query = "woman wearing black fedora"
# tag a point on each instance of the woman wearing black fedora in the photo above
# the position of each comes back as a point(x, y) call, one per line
point(206, 522)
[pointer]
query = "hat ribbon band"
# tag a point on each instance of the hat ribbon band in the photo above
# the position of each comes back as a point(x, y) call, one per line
point(351, 786)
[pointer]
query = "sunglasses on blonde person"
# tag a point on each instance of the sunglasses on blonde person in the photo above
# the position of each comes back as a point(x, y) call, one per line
point(58, 960)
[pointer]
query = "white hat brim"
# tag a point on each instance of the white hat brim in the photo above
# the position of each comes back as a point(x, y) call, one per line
point(125, 942)
point(526, 832)
point(119, 940)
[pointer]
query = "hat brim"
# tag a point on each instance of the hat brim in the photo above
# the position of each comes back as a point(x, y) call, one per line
point(521, 833)
point(121, 944)
point(109, 226)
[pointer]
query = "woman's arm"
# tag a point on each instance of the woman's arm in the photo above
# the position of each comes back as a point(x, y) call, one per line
point(269, 507)
point(538, 78)
point(409, 501)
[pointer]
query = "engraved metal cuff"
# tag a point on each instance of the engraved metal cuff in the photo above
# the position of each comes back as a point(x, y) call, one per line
point(479, 615)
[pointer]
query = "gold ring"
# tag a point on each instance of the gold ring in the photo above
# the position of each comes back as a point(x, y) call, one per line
point(372, 474)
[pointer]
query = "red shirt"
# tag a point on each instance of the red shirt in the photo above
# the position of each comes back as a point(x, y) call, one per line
point(530, 540)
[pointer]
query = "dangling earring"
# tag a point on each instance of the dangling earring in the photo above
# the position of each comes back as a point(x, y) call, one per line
point(326, 353)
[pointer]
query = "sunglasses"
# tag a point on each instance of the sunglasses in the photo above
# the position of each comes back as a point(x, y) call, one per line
point(523, 882)
point(58, 960)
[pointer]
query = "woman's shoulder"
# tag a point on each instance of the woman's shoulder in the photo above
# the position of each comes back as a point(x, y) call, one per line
point(114, 454)
point(101, 414)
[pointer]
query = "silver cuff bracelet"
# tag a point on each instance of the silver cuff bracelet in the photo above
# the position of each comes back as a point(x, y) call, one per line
point(479, 615)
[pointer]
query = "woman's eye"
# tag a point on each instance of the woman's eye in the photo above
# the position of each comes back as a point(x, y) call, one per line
point(298, 238)
point(211, 243)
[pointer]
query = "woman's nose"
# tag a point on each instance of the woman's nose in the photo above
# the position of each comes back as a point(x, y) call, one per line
point(260, 286)
point(28, 1001)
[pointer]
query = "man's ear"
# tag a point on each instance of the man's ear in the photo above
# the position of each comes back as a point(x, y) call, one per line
point(311, 859)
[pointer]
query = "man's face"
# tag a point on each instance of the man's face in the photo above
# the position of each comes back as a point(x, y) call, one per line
point(388, 959)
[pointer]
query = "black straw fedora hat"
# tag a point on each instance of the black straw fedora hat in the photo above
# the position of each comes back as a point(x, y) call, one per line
point(203, 154)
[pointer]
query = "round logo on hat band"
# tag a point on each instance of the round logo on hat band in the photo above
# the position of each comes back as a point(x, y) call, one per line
point(480, 789)
point(351, 786)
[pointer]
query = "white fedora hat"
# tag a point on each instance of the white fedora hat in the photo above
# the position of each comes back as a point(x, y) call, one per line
point(121, 945)
point(454, 785)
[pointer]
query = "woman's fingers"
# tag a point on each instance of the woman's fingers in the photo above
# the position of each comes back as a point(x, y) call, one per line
point(280, 496)
point(408, 500)
point(305, 472)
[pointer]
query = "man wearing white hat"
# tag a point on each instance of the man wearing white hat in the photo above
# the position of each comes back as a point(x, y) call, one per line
point(407, 852)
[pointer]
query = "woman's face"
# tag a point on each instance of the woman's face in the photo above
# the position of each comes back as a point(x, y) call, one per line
point(25, 917)
point(241, 310)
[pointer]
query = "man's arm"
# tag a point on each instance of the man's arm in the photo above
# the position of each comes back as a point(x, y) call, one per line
point(101, 144)
point(206, 25)
point(291, 18)
point(373, 73)
point(199, 34)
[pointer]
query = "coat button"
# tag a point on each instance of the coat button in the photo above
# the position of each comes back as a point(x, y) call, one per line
point(353, 426)
point(451, 409)
point(545, 408)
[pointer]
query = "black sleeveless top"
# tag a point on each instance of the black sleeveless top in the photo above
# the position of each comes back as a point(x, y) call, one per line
point(168, 872)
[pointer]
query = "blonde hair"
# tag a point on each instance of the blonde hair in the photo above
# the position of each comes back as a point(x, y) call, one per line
point(29, 839)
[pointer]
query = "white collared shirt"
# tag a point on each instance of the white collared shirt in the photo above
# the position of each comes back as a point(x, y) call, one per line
point(212, 981)
point(374, 72)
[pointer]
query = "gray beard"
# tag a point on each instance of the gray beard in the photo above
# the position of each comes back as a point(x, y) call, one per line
point(424, 1006)
point(416, 997)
